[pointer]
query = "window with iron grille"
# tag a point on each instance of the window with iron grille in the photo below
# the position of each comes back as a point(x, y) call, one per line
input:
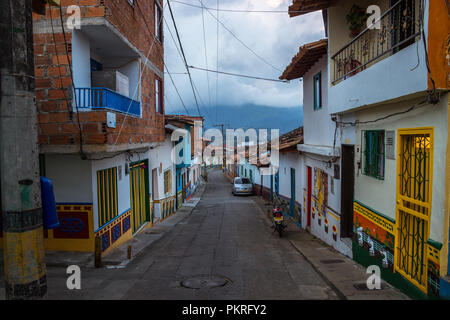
point(373, 152)
point(167, 181)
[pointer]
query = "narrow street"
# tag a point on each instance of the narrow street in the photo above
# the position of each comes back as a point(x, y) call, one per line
point(225, 238)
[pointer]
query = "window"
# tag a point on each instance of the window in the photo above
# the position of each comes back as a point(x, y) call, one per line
point(373, 151)
point(318, 91)
point(158, 96)
point(106, 195)
point(158, 21)
point(167, 181)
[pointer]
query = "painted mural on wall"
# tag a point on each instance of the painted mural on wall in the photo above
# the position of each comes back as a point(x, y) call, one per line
point(374, 233)
point(321, 190)
point(433, 268)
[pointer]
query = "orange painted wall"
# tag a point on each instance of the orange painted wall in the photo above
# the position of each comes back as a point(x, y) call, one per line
point(438, 43)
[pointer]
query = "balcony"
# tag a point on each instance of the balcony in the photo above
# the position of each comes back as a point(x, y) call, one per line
point(104, 98)
point(378, 65)
point(397, 28)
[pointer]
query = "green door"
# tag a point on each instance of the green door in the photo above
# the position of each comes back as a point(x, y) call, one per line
point(140, 207)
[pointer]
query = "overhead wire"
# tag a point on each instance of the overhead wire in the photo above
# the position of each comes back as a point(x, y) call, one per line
point(140, 74)
point(82, 154)
point(206, 54)
point(184, 57)
point(239, 75)
point(217, 57)
point(240, 10)
point(239, 40)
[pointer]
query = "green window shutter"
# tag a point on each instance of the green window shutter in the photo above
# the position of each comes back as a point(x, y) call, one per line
point(374, 153)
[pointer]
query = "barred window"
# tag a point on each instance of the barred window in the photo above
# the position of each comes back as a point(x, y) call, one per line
point(167, 181)
point(107, 195)
point(374, 153)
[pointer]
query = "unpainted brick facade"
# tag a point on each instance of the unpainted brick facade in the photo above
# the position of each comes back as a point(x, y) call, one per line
point(57, 124)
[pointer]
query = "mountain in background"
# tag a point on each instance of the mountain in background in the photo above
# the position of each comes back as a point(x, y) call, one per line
point(254, 116)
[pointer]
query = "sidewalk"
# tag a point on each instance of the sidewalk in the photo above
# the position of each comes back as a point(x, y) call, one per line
point(117, 257)
point(346, 277)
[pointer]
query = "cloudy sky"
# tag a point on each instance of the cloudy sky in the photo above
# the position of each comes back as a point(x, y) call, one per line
point(273, 36)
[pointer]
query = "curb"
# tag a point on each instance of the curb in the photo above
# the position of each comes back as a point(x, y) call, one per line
point(333, 287)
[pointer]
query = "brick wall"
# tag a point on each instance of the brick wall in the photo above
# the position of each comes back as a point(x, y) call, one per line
point(57, 124)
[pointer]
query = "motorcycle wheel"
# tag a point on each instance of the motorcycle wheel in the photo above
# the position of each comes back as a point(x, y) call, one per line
point(280, 229)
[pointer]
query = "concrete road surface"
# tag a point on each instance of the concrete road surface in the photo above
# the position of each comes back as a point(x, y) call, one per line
point(224, 249)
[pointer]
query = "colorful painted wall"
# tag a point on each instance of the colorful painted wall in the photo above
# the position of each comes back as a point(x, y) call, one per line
point(374, 243)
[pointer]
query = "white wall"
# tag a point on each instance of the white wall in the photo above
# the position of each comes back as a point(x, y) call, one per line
point(131, 70)
point(288, 161)
point(318, 128)
point(81, 60)
point(381, 194)
point(71, 178)
point(123, 184)
point(399, 75)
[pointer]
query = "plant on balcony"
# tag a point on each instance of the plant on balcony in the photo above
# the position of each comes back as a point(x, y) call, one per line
point(356, 19)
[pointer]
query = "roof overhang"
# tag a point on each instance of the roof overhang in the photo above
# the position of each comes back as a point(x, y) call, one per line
point(299, 7)
point(324, 151)
point(306, 57)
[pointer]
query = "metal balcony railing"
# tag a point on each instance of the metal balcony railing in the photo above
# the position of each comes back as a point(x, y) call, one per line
point(399, 27)
point(104, 98)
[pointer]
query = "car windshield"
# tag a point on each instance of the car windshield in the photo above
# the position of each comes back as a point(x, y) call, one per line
point(242, 181)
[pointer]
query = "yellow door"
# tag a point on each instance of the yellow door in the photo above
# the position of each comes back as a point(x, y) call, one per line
point(138, 195)
point(414, 186)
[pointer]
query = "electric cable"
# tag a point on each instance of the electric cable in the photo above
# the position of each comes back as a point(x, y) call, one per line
point(184, 56)
point(240, 41)
point(239, 75)
point(82, 154)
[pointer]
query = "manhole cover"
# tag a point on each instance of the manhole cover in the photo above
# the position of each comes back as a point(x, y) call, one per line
point(330, 261)
point(204, 282)
point(363, 286)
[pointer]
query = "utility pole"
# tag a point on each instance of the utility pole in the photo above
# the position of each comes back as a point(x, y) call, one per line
point(222, 125)
point(23, 243)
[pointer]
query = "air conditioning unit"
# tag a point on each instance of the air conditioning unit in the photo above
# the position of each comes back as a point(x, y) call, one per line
point(113, 80)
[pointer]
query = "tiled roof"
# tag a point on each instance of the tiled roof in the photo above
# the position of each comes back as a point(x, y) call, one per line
point(299, 7)
point(289, 141)
point(179, 118)
point(306, 57)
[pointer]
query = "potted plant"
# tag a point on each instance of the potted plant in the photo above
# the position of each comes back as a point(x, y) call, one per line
point(356, 20)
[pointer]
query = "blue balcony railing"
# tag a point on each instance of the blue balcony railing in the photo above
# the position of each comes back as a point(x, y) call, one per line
point(104, 98)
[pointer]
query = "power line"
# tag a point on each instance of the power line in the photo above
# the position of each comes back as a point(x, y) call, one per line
point(240, 10)
point(236, 37)
point(176, 89)
point(83, 156)
point(184, 57)
point(239, 75)
point(217, 57)
point(165, 65)
point(181, 56)
point(206, 54)
point(354, 123)
point(140, 74)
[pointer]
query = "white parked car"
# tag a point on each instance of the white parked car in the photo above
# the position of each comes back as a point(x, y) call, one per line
point(242, 186)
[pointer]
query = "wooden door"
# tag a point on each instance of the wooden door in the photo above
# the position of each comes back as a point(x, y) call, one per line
point(347, 190)
point(138, 191)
